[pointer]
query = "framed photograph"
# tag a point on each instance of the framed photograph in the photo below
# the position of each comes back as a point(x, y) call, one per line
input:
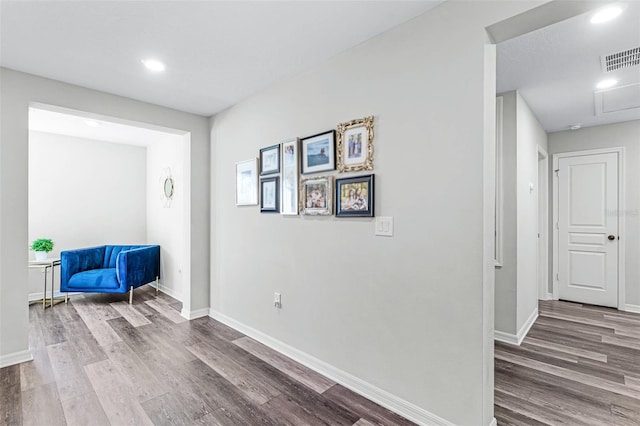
point(289, 183)
point(355, 145)
point(270, 160)
point(269, 195)
point(247, 182)
point(354, 196)
point(316, 196)
point(318, 152)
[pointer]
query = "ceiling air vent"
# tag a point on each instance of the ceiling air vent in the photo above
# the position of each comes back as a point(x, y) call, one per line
point(619, 60)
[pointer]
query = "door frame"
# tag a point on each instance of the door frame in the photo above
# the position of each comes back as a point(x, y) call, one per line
point(621, 218)
point(543, 224)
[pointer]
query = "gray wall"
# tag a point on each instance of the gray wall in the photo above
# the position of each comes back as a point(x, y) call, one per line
point(516, 281)
point(19, 90)
point(625, 135)
point(506, 274)
point(402, 313)
point(78, 198)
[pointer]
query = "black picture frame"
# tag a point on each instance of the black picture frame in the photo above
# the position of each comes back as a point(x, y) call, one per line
point(314, 157)
point(355, 196)
point(270, 160)
point(270, 195)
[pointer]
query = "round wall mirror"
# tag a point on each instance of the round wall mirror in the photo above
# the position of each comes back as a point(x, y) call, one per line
point(168, 188)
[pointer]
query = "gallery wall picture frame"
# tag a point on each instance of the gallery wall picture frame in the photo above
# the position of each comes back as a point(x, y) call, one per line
point(355, 196)
point(247, 182)
point(318, 152)
point(316, 196)
point(355, 145)
point(289, 182)
point(270, 160)
point(270, 195)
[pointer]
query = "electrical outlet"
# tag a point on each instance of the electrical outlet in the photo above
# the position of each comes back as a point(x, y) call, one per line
point(277, 300)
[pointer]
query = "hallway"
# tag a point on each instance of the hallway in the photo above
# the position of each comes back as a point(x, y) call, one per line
point(579, 365)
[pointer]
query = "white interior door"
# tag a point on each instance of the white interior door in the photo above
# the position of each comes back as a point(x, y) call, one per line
point(588, 229)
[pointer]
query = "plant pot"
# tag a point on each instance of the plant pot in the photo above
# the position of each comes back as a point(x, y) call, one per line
point(41, 255)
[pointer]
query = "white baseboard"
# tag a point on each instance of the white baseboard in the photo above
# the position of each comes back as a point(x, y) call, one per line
point(168, 291)
point(547, 296)
point(15, 358)
point(632, 308)
point(198, 313)
point(516, 339)
point(494, 422)
point(503, 337)
point(369, 391)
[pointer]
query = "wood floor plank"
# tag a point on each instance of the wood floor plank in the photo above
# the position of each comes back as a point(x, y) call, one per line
point(84, 410)
point(234, 372)
point(166, 409)
point(71, 379)
point(364, 407)
point(166, 310)
point(130, 313)
point(295, 370)
point(86, 347)
point(37, 372)
point(116, 394)
point(568, 374)
point(622, 341)
point(10, 396)
point(52, 329)
point(137, 340)
point(41, 406)
point(146, 385)
point(537, 413)
point(102, 332)
point(567, 349)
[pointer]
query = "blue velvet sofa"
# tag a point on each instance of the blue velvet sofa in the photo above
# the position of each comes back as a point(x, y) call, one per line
point(109, 268)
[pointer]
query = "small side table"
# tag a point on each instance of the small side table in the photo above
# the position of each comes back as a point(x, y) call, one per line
point(46, 265)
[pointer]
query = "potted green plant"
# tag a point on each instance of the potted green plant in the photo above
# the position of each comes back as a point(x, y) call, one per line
point(42, 246)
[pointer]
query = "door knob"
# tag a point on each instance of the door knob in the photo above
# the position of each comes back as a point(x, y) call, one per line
point(611, 237)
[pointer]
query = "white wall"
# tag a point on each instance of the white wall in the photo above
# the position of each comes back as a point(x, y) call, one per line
point(165, 221)
point(530, 135)
point(516, 280)
point(19, 91)
point(625, 135)
point(506, 275)
point(84, 193)
point(404, 314)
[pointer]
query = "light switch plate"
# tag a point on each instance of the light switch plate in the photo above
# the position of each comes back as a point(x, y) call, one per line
point(384, 226)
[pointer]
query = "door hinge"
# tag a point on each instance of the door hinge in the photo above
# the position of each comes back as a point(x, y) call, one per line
point(557, 225)
point(557, 277)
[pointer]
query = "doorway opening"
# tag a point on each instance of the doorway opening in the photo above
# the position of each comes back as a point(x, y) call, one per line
point(96, 180)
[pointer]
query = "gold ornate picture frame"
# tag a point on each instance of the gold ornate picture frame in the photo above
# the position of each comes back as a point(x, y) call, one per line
point(355, 145)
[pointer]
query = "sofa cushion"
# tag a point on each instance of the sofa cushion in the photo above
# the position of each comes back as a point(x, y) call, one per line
point(94, 279)
point(111, 255)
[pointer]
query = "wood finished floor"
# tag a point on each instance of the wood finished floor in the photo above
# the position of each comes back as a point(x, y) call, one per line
point(579, 365)
point(100, 361)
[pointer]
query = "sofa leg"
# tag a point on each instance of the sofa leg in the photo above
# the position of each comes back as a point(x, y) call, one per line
point(157, 288)
point(131, 295)
point(66, 297)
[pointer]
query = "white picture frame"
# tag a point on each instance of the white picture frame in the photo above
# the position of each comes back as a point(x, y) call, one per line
point(247, 182)
point(289, 182)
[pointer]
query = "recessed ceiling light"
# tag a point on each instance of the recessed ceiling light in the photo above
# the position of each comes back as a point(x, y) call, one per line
point(606, 14)
point(153, 65)
point(605, 84)
point(91, 123)
point(576, 126)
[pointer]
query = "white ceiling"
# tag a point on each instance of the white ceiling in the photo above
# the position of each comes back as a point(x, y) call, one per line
point(216, 52)
point(557, 68)
point(73, 123)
